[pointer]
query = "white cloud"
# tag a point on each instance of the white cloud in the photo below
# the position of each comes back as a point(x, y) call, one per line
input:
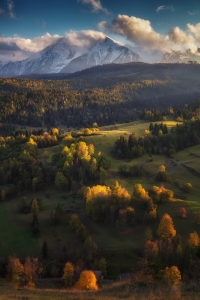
point(18, 48)
point(164, 7)
point(10, 5)
point(193, 13)
point(181, 38)
point(84, 39)
point(96, 5)
point(195, 29)
point(138, 31)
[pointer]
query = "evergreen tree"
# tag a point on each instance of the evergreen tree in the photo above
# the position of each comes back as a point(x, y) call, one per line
point(45, 250)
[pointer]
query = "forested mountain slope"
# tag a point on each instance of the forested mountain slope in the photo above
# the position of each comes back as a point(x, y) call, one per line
point(117, 94)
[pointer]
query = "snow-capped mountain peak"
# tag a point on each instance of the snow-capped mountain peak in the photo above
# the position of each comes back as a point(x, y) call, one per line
point(103, 52)
point(60, 56)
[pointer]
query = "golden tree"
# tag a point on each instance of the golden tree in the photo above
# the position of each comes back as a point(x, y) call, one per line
point(193, 240)
point(166, 228)
point(14, 270)
point(140, 194)
point(68, 274)
point(54, 131)
point(171, 275)
point(162, 168)
point(87, 281)
point(121, 196)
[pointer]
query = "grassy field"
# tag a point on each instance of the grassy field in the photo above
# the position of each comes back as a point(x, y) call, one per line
point(15, 240)
point(119, 290)
point(175, 168)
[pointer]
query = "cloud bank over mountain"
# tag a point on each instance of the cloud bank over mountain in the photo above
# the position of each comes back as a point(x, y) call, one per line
point(133, 29)
point(141, 33)
point(18, 48)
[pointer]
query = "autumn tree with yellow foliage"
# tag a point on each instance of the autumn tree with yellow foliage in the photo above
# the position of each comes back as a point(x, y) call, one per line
point(171, 276)
point(101, 200)
point(140, 194)
point(166, 228)
point(68, 274)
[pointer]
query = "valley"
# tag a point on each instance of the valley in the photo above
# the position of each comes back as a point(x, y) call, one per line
point(89, 172)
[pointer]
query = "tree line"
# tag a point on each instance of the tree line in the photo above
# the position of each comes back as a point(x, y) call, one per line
point(158, 140)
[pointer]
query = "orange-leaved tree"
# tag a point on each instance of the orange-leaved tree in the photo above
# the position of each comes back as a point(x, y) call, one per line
point(87, 281)
point(14, 270)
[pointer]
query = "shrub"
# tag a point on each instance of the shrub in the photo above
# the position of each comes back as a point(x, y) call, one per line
point(183, 212)
point(176, 183)
point(187, 187)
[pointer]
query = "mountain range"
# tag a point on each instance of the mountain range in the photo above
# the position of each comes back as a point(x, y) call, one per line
point(180, 57)
point(60, 57)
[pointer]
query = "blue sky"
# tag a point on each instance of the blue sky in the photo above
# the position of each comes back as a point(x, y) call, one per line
point(25, 20)
point(35, 18)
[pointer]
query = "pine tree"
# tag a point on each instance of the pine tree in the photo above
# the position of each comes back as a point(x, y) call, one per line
point(45, 250)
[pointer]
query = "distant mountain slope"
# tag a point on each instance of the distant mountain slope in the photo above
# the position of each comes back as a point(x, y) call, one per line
point(60, 57)
point(180, 57)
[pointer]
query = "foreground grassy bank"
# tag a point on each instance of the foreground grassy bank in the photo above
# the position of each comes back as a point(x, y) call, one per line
point(113, 291)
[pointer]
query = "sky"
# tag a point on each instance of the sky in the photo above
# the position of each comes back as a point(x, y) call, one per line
point(27, 27)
